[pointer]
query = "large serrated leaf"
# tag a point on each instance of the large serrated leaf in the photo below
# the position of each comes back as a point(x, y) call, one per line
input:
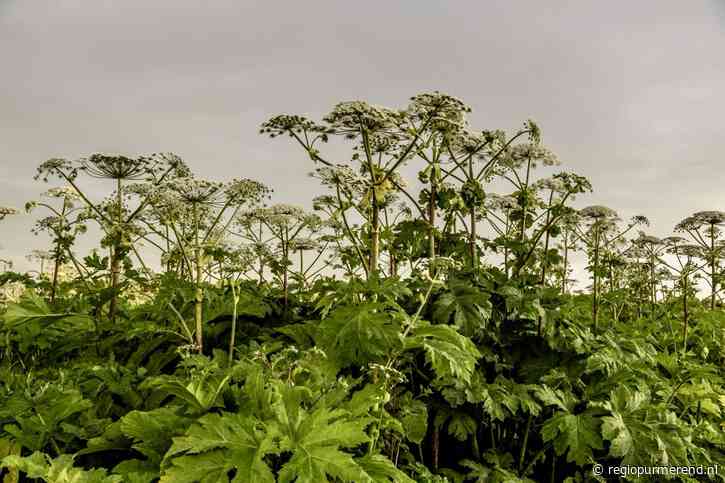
point(218, 444)
point(577, 435)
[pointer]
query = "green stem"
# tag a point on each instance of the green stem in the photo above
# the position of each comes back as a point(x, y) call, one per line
point(234, 322)
point(198, 292)
point(526, 441)
point(116, 254)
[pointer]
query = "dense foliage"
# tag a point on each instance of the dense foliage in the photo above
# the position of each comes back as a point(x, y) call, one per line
point(404, 330)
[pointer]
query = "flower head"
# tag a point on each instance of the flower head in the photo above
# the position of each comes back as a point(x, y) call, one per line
point(290, 124)
point(598, 212)
point(279, 215)
point(673, 240)
point(467, 143)
point(7, 211)
point(520, 154)
point(442, 111)
point(647, 245)
point(687, 250)
point(340, 174)
point(710, 217)
point(640, 220)
point(165, 162)
point(246, 190)
point(116, 166)
point(194, 191)
point(687, 224)
point(700, 219)
point(55, 166)
point(302, 244)
point(354, 116)
point(550, 184)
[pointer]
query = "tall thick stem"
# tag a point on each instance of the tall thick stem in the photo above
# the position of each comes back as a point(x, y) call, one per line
point(198, 292)
point(234, 322)
point(522, 454)
point(431, 226)
point(595, 288)
point(54, 286)
point(507, 228)
point(374, 235)
point(374, 204)
point(285, 274)
point(713, 281)
point(685, 313)
point(58, 250)
point(544, 259)
point(435, 447)
point(261, 257)
point(565, 269)
point(653, 283)
point(472, 239)
point(116, 254)
point(612, 288)
point(303, 278)
point(472, 221)
point(524, 201)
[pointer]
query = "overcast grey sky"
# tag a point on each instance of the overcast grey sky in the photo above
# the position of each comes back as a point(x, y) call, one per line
point(628, 93)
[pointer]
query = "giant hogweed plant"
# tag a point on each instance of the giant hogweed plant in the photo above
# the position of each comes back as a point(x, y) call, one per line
point(213, 207)
point(65, 223)
point(347, 207)
point(704, 229)
point(685, 265)
point(383, 141)
point(646, 251)
point(600, 232)
point(429, 367)
point(291, 228)
point(114, 217)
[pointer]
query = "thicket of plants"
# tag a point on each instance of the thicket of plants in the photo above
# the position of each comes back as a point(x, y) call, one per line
point(403, 330)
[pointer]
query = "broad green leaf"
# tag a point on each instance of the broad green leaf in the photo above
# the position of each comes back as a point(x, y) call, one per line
point(554, 397)
point(32, 307)
point(449, 353)
point(137, 471)
point(381, 470)
point(219, 443)
point(461, 426)
point(414, 417)
point(58, 470)
point(469, 306)
point(317, 439)
point(577, 435)
point(201, 392)
point(7, 448)
point(358, 334)
point(615, 430)
point(152, 431)
point(499, 469)
point(210, 467)
point(34, 466)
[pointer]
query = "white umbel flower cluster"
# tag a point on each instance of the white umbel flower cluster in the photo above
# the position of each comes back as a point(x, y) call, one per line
point(598, 212)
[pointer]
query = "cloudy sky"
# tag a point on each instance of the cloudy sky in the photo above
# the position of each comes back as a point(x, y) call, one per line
point(628, 93)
